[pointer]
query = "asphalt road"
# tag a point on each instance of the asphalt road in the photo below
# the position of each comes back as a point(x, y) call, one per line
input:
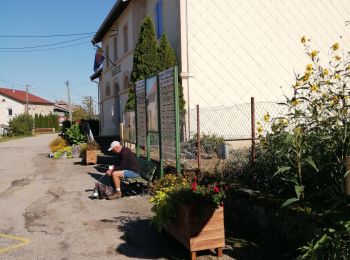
point(46, 212)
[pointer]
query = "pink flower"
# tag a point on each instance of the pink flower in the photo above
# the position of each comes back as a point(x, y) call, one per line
point(194, 186)
point(216, 189)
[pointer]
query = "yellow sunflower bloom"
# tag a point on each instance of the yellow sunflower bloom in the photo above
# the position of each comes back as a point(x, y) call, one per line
point(314, 88)
point(309, 67)
point(337, 76)
point(313, 53)
point(295, 102)
point(267, 117)
point(335, 46)
point(325, 72)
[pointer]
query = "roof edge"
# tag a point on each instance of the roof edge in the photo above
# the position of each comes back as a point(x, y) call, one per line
point(115, 12)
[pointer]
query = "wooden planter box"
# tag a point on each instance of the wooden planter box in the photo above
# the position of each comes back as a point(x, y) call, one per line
point(199, 228)
point(91, 156)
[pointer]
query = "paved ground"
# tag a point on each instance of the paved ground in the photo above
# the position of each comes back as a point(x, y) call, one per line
point(46, 212)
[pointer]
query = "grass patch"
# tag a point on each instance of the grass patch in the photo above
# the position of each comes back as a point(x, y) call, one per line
point(9, 138)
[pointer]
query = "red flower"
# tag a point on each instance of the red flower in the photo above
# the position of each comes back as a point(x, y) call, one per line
point(221, 204)
point(216, 189)
point(195, 178)
point(194, 186)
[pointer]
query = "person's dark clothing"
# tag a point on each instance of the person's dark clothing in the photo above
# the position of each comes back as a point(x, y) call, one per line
point(127, 160)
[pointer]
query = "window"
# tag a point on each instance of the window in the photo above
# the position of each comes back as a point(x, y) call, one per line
point(115, 48)
point(126, 82)
point(125, 36)
point(9, 111)
point(108, 89)
point(107, 56)
point(159, 18)
point(116, 86)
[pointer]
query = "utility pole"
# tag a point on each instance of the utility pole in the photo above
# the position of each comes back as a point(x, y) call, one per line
point(69, 105)
point(26, 108)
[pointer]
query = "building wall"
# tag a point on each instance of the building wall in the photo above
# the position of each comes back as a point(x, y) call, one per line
point(240, 49)
point(17, 108)
point(40, 109)
point(133, 17)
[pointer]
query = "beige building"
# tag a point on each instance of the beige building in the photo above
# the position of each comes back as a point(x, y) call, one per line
point(13, 102)
point(227, 50)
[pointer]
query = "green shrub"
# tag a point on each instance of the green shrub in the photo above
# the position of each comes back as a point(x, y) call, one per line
point(57, 144)
point(74, 135)
point(21, 125)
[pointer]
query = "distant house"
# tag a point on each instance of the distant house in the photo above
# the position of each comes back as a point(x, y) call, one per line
point(227, 51)
point(14, 102)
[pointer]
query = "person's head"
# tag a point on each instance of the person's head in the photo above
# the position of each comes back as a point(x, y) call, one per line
point(115, 147)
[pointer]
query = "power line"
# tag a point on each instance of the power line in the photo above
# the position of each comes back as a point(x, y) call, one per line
point(40, 46)
point(12, 83)
point(47, 49)
point(44, 36)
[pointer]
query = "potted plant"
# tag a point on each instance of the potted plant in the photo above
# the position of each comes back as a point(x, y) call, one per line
point(191, 210)
point(91, 152)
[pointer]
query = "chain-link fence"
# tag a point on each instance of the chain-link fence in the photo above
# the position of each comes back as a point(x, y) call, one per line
point(223, 133)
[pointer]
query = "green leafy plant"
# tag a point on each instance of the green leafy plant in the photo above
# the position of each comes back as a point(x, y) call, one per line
point(329, 244)
point(64, 150)
point(74, 135)
point(303, 152)
point(172, 191)
point(21, 124)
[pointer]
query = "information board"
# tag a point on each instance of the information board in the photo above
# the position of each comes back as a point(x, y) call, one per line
point(167, 114)
point(140, 90)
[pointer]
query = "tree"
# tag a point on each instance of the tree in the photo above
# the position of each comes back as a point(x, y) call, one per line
point(85, 111)
point(145, 62)
point(166, 54)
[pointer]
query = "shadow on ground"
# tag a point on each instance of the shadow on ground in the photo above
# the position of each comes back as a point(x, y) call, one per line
point(142, 240)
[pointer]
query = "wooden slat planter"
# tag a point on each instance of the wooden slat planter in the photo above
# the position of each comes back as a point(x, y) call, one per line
point(198, 229)
point(91, 156)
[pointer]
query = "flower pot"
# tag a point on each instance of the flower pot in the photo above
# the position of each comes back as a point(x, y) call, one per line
point(91, 156)
point(76, 151)
point(198, 228)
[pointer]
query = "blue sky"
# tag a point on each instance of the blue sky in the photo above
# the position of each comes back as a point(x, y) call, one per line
point(47, 71)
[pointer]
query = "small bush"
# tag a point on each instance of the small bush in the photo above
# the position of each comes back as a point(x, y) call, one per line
point(21, 125)
point(57, 144)
point(74, 135)
point(61, 151)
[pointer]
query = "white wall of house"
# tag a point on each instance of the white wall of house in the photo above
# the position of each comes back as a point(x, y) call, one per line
point(40, 109)
point(240, 49)
point(6, 105)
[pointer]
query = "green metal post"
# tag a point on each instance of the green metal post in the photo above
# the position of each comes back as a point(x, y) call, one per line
point(177, 120)
point(148, 136)
point(136, 128)
point(161, 166)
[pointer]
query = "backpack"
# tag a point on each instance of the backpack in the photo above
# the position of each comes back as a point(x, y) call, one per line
point(103, 190)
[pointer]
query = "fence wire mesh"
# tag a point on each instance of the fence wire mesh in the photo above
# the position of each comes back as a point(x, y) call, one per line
point(226, 133)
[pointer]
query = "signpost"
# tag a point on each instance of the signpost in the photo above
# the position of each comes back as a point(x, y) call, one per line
point(157, 111)
point(141, 130)
point(169, 116)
